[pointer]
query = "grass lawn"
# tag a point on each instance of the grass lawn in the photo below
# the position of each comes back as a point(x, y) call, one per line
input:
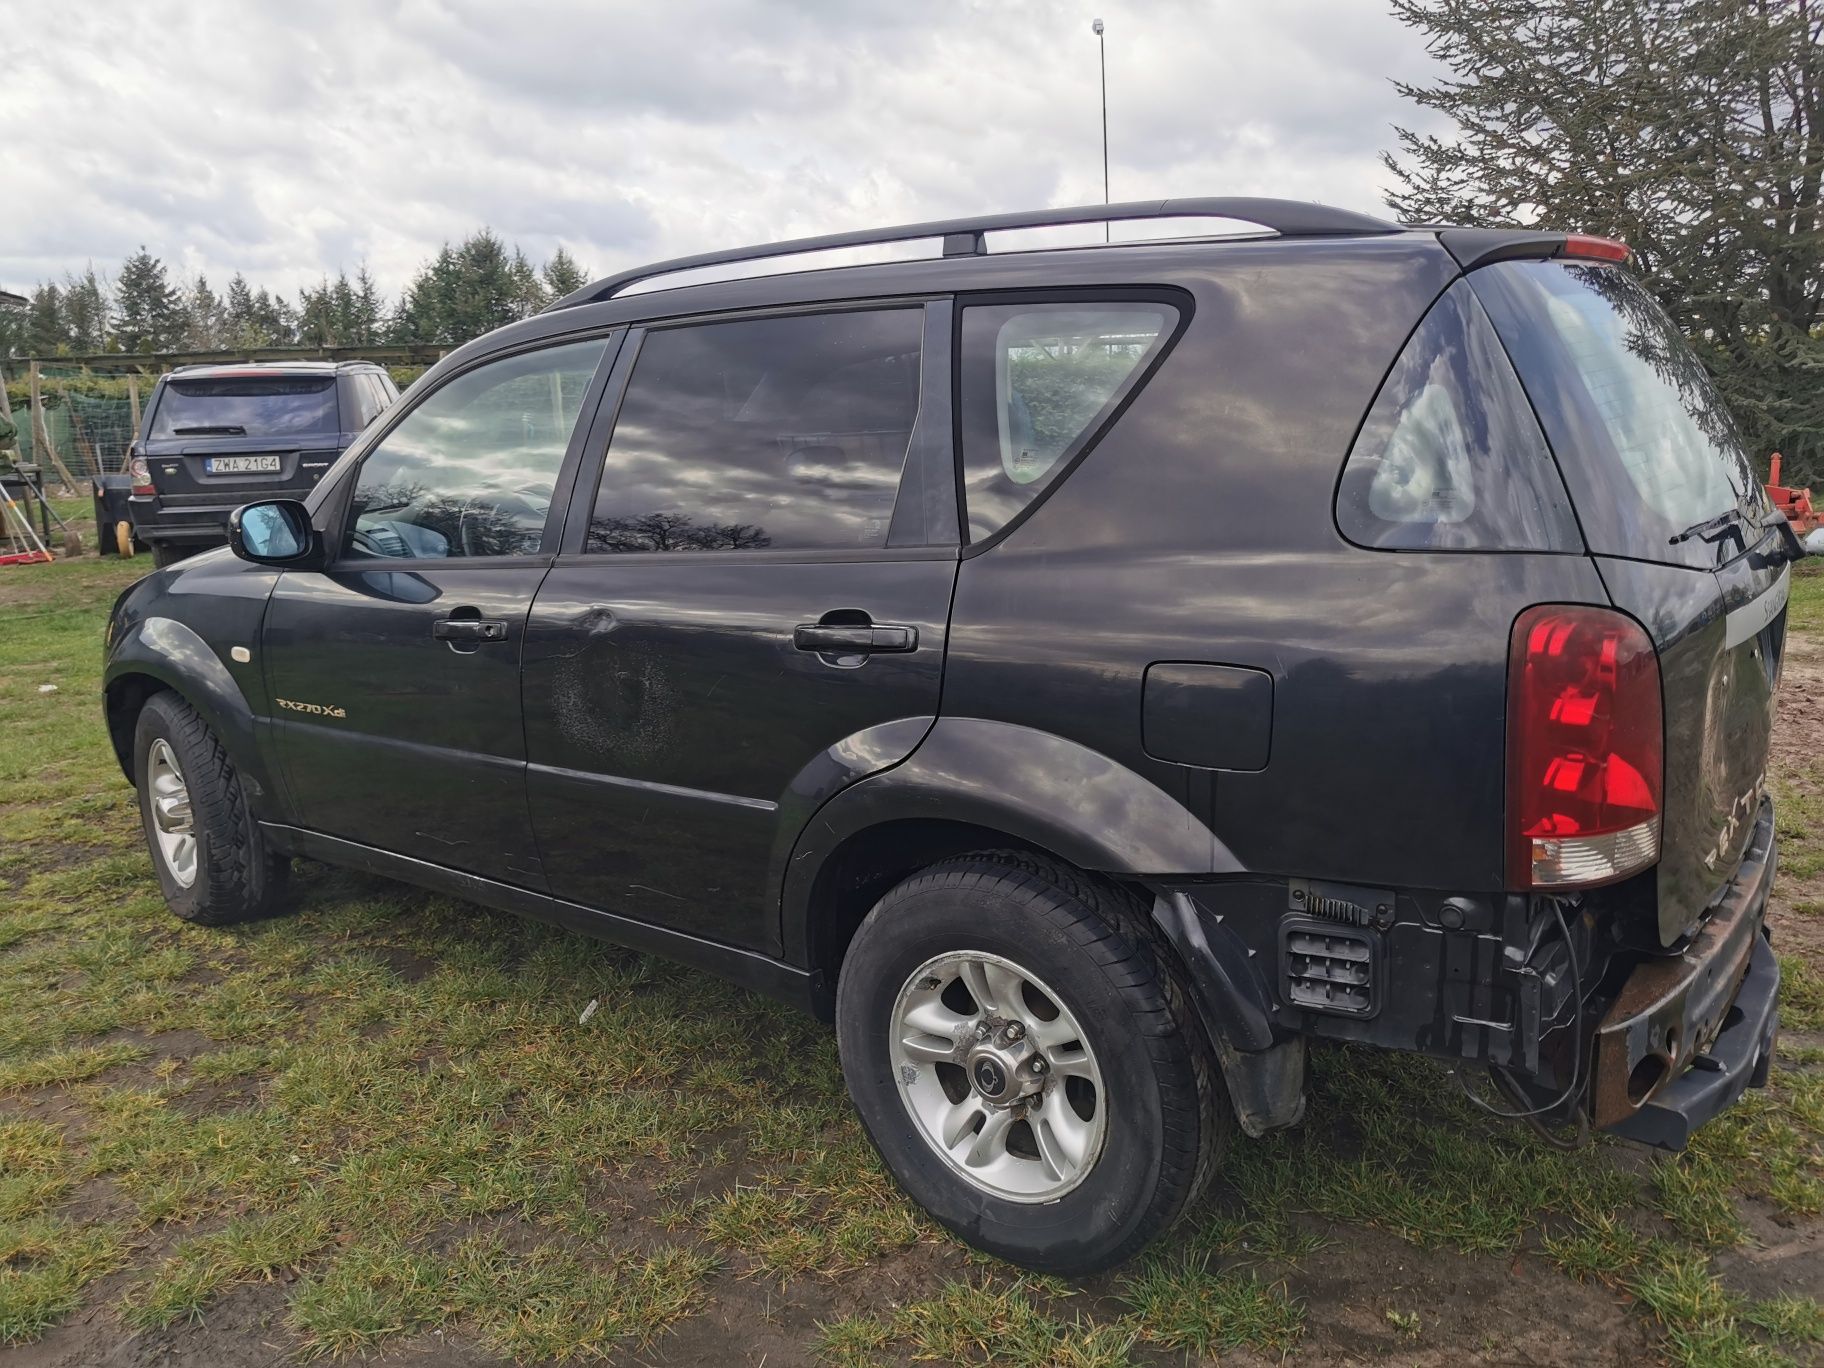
point(381, 1127)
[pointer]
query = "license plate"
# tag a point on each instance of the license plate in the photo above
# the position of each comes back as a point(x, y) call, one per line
point(240, 465)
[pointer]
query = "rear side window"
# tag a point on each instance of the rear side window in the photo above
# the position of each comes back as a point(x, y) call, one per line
point(1645, 441)
point(367, 400)
point(269, 406)
point(787, 433)
point(1038, 382)
point(359, 405)
point(1450, 457)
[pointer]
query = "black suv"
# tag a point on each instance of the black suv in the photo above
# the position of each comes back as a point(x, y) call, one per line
point(1088, 675)
point(216, 436)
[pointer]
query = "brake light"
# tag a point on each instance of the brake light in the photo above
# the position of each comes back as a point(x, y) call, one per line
point(1595, 248)
point(1585, 748)
point(141, 474)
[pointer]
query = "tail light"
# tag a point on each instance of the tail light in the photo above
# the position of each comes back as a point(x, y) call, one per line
point(141, 474)
point(1585, 748)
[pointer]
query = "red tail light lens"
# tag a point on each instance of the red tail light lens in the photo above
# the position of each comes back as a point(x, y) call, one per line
point(1595, 248)
point(141, 475)
point(1585, 748)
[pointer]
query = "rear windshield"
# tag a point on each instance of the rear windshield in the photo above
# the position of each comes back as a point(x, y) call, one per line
point(278, 406)
point(1641, 436)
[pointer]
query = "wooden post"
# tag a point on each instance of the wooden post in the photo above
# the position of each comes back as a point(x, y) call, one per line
point(41, 437)
point(133, 403)
point(6, 405)
point(35, 415)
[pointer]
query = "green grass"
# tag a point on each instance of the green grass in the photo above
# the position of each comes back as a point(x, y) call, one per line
point(1805, 610)
point(380, 1119)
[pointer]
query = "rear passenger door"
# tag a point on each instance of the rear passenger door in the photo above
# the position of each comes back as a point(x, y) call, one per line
point(750, 607)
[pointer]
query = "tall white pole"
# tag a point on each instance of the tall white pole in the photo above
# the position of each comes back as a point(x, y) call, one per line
point(1102, 56)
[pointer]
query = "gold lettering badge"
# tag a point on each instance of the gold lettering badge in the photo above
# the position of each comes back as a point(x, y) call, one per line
point(314, 709)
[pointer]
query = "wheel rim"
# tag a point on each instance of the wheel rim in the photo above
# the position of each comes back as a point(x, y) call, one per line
point(998, 1076)
point(173, 825)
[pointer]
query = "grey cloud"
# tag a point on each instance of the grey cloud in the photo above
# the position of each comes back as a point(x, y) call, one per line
point(289, 141)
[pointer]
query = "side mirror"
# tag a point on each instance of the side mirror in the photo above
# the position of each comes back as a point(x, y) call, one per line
point(275, 532)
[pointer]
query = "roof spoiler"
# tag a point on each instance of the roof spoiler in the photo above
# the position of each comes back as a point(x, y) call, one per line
point(1473, 247)
point(964, 236)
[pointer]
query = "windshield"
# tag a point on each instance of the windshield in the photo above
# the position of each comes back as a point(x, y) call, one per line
point(1640, 433)
point(276, 406)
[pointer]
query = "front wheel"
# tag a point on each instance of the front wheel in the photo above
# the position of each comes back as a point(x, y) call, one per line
point(1023, 1057)
point(212, 862)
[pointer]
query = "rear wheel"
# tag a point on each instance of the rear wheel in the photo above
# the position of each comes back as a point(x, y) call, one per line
point(1022, 1055)
point(166, 553)
point(213, 865)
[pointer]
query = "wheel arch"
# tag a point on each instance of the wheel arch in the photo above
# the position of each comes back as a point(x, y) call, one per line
point(975, 784)
point(978, 785)
point(857, 872)
point(160, 654)
point(124, 698)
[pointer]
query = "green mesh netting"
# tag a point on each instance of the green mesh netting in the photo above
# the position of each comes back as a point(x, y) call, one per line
point(87, 417)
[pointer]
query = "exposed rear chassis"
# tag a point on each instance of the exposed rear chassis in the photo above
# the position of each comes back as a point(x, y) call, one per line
point(1688, 1034)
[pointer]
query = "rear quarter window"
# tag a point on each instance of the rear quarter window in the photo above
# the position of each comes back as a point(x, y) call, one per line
point(1039, 381)
point(1450, 456)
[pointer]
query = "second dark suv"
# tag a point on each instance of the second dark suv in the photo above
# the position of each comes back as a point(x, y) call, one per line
point(1089, 676)
point(214, 437)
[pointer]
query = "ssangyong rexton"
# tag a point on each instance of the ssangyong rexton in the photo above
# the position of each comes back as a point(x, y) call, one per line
point(1087, 675)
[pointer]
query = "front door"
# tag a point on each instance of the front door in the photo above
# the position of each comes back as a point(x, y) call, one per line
point(395, 671)
point(751, 609)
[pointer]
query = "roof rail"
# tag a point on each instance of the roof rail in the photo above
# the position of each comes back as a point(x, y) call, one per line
point(964, 236)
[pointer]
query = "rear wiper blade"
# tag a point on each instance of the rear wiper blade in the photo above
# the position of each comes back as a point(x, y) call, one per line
point(221, 430)
point(1723, 524)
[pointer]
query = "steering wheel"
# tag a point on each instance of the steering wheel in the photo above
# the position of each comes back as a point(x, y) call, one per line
point(366, 542)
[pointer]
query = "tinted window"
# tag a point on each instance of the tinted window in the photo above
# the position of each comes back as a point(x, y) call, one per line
point(470, 471)
point(1450, 457)
point(1645, 441)
point(357, 401)
point(378, 396)
point(766, 432)
point(1037, 381)
point(274, 406)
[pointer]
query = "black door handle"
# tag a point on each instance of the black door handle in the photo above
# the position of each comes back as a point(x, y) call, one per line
point(469, 629)
point(851, 639)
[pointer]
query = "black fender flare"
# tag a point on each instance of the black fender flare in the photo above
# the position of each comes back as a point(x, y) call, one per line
point(1045, 790)
point(173, 655)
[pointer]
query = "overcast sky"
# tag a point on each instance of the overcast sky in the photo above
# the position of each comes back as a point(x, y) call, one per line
point(287, 140)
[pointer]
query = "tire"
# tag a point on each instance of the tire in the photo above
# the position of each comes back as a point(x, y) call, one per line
point(165, 553)
point(1154, 1121)
point(229, 875)
point(123, 539)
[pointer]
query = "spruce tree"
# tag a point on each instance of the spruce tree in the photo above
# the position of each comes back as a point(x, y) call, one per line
point(562, 275)
point(1691, 129)
point(205, 318)
point(46, 330)
point(85, 307)
point(149, 314)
